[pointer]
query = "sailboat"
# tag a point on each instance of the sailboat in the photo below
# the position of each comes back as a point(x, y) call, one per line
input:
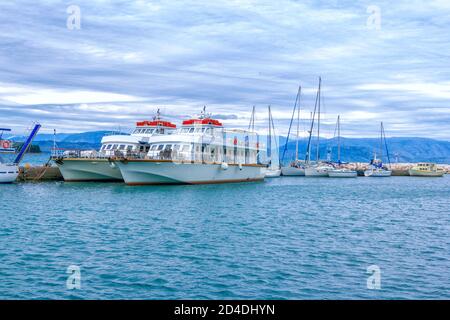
point(295, 168)
point(317, 169)
point(10, 171)
point(340, 172)
point(273, 170)
point(376, 168)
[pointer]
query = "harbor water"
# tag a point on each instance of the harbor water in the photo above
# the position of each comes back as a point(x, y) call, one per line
point(286, 238)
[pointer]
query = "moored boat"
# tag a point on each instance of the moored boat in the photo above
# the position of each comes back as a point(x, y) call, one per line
point(426, 170)
point(340, 172)
point(200, 152)
point(76, 166)
point(376, 167)
point(10, 171)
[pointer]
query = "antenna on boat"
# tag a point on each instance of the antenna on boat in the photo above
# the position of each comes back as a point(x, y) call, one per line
point(251, 125)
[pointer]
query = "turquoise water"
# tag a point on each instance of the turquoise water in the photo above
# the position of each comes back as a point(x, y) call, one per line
point(287, 238)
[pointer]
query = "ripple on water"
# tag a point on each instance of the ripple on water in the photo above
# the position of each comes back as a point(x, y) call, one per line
point(289, 238)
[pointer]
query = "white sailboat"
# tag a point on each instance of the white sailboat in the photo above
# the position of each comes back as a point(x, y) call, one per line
point(295, 168)
point(273, 170)
point(340, 172)
point(317, 169)
point(376, 168)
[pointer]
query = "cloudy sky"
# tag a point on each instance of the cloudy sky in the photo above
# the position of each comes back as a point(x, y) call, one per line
point(379, 60)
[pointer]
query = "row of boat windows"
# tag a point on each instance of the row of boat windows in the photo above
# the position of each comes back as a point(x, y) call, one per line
point(196, 130)
point(183, 130)
point(116, 147)
point(4, 172)
point(175, 147)
point(149, 131)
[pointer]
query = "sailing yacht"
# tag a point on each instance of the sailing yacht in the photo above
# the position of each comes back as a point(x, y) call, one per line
point(97, 165)
point(295, 168)
point(10, 171)
point(317, 169)
point(273, 170)
point(376, 168)
point(202, 151)
point(341, 172)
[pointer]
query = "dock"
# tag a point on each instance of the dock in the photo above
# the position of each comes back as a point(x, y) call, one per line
point(52, 172)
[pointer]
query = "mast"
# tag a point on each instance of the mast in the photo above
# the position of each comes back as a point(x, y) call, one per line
point(339, 138)
point(290, 124)
point(313, 116)
point(381, 141)
point(298, 127)
point(318, 124)
point(269, 139)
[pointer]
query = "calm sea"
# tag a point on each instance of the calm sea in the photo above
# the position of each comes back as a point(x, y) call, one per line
point(287, 238)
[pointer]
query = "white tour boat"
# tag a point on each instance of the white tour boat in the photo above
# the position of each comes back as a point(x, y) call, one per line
point(98, 166)
point(201, 151)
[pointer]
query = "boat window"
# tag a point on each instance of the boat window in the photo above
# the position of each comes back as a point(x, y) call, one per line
point(109, 147)
point(168, 146)
point(153, 147)
point(129, 148)
point(160, 147)
point(103, 147)
point(122, 147)
point(191, 130)
point(208, 131)
point(161, 131)
point(176, 147)
point(186, 148)
point(203, 129)
point(114, 147)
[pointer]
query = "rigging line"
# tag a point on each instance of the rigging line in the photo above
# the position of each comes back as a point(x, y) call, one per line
point(290, 124)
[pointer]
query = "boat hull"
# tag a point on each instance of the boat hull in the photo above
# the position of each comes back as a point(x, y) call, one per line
point(272, 173)
point(316, 172)
point(8, 173)
point(342, 174)
point(292, 171)
point(155, 172)
point(421, 173)
point(89, 170)
point(377, 173)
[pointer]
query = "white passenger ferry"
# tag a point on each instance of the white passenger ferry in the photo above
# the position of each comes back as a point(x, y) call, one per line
point(201, 151)
point(97, 166)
